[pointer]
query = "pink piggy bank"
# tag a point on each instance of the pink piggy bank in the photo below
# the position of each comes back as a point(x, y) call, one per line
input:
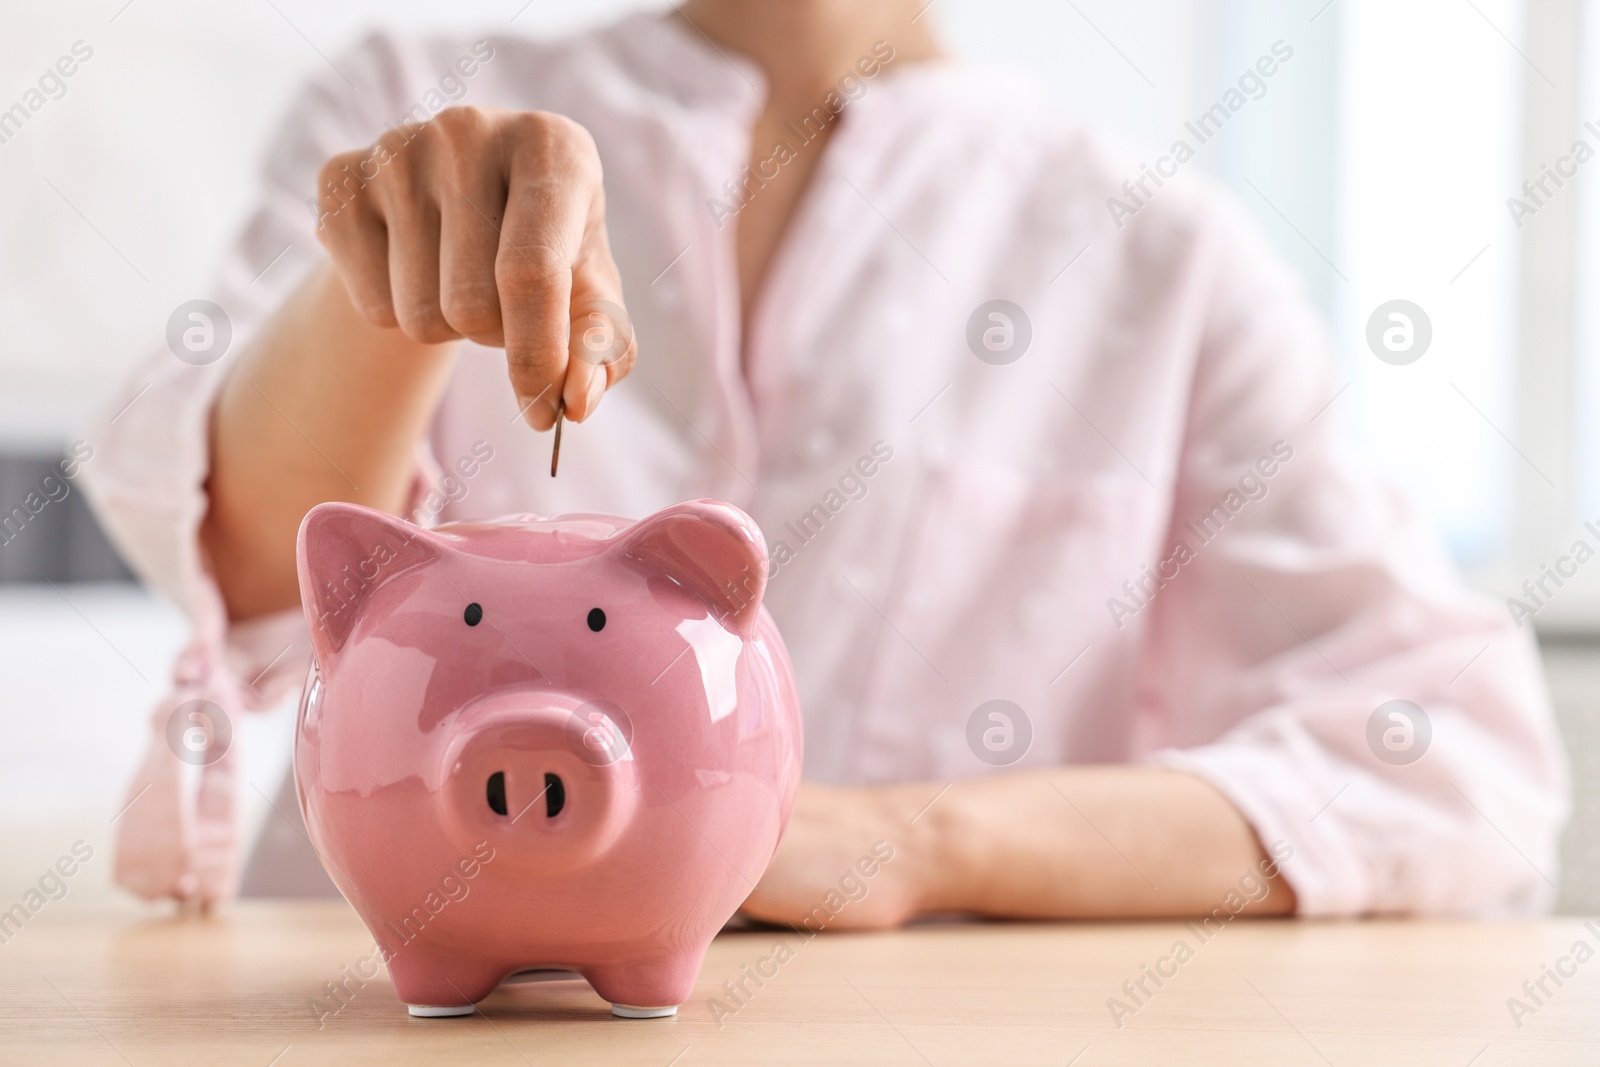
point(543, 745)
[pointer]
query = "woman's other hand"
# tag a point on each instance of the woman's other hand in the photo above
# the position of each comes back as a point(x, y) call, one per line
point(847, 861)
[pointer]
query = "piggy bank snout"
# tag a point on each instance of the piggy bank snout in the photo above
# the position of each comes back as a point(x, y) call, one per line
point(545, 779)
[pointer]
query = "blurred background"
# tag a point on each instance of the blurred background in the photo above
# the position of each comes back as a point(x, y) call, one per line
point(1384, 161)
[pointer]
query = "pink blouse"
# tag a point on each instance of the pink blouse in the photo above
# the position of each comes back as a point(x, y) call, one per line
point(1115, 501)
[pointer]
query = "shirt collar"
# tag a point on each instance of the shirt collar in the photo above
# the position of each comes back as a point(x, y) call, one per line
point(666, 52)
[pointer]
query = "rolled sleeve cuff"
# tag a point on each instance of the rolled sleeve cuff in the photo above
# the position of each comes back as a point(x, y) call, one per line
point(1283, 803)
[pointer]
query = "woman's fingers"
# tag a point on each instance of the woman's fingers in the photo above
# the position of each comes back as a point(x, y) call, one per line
point(600, 346)
point(553, 189)
point(471, 189)
point(414, 270)
point(535, 283)
point(356, 238)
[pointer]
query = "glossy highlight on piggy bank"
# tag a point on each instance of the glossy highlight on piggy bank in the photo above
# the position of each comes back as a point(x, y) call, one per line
point(597, 715)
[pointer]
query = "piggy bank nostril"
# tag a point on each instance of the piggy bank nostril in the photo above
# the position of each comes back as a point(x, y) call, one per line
point(555, 795)
point(497, 792)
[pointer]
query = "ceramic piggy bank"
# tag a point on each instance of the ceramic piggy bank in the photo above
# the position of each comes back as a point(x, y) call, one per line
point(544, 745)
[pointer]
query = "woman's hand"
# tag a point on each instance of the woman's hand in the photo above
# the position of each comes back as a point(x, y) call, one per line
point(854, 853)
point(488, 225)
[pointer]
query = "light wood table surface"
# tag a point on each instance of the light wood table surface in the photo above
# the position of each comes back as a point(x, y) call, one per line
point(239, 987)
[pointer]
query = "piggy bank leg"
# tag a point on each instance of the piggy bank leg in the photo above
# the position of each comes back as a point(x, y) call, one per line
point(647, 988)
point(436, 1011)
point(434, 988)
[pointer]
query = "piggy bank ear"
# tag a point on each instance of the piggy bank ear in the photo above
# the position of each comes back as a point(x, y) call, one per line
point(346, 553)
point(710, 548)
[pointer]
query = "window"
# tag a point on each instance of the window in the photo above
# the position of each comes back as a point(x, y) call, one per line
point(1430, 96)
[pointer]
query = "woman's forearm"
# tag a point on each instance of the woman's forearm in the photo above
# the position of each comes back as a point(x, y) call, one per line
point(1091, 842)
point(325, 406)
point(1066, 843)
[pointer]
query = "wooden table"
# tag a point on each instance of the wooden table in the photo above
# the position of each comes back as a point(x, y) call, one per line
point(244, 987)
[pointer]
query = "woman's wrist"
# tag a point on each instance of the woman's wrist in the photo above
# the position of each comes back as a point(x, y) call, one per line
point(322, 403)
point(926, 841)
point(1005, 845)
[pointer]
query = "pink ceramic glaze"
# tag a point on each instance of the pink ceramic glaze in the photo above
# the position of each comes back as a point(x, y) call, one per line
point(531, 744)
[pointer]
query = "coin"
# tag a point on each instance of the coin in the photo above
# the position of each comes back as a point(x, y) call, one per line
point(555, 449)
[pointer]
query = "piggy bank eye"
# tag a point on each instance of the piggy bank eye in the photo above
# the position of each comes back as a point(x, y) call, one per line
point(473, 615)
point(597, 620)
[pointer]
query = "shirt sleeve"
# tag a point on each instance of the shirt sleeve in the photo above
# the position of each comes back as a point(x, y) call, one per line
point(146, 480)
point(151, 443)
point(1299, 596)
